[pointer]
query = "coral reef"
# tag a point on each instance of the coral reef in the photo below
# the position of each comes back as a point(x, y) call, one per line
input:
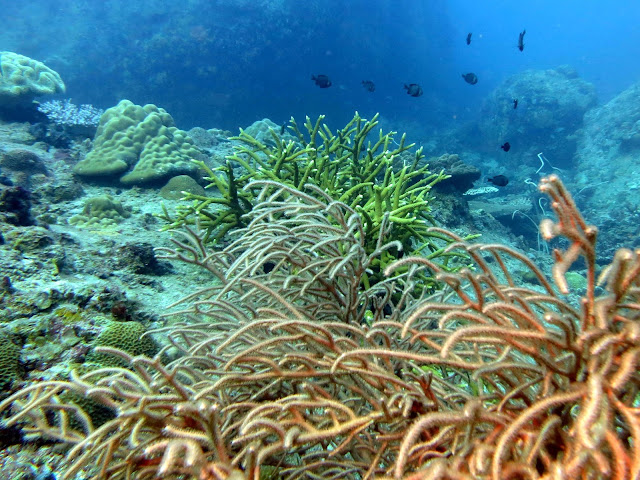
point(288, 365)
point(68, 119)
point(140, 258)
point(461, 175)
point(23, 167)
point(22, 160)
point(23, 78)
point(141, 142)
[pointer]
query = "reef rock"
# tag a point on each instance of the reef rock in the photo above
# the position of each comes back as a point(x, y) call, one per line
point(551, 107)
point(608, 171)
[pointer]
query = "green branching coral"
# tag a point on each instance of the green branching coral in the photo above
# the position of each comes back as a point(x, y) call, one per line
point(348, 165)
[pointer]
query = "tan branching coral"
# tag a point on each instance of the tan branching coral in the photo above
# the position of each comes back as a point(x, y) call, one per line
point(289, 365)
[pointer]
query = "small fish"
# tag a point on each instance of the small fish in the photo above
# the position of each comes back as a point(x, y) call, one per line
point(470, 78)
point(267, 267)
point(469, 38)
point(321, 80)
point(499, 180)
point(515, 103)
point(369, 86)
point(283, 127)
point(506, 147)
point(521, 40)
point(413, 89)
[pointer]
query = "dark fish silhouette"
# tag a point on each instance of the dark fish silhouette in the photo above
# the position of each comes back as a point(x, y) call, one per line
point(515, 103)
point(369, 86)
point(267, 267)
point(521, 40)
point(321, 80)
point(499, 180)
point(469, 38)
point(506, 147)
point(413, 89)
point(471, 78)
point(283, 127)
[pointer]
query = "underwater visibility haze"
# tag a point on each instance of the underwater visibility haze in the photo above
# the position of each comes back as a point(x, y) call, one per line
point(251, 239)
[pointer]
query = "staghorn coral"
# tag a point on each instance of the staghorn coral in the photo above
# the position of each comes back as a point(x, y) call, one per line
point(370, 175)
point(281, 372)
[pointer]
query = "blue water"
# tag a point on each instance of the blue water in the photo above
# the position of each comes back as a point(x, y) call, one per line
point(227, 63)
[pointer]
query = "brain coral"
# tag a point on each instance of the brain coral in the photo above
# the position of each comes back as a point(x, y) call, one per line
point(22, 79)
point(141, 142)
point(9, 360)
point(127, 336)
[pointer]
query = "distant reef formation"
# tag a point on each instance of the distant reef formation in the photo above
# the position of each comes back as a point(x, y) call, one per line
point(607, 172)
point(551, 107)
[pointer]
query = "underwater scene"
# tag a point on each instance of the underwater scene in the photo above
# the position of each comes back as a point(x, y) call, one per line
point(284, 239)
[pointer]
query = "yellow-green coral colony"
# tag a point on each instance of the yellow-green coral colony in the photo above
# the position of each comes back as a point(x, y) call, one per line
point(141, 143)
point(127, 336)
point(100, 212)
point(178, 184)
point(9, 360)
point(23, 78)
point(347, 165)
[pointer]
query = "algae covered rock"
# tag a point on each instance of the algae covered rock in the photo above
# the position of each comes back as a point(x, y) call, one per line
point(461, 175)
point(15, 206)
point(28, 239)
point(141, 143)
point(22, 160)
point(23, 78)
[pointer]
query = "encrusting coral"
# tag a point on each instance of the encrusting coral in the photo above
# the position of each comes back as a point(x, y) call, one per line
point(287, 365)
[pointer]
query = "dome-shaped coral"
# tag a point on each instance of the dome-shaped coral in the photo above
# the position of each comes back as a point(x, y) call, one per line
point(23, 78)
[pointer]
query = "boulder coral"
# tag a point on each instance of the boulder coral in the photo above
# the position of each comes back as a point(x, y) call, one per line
point(23, 78)
point(141, 142)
